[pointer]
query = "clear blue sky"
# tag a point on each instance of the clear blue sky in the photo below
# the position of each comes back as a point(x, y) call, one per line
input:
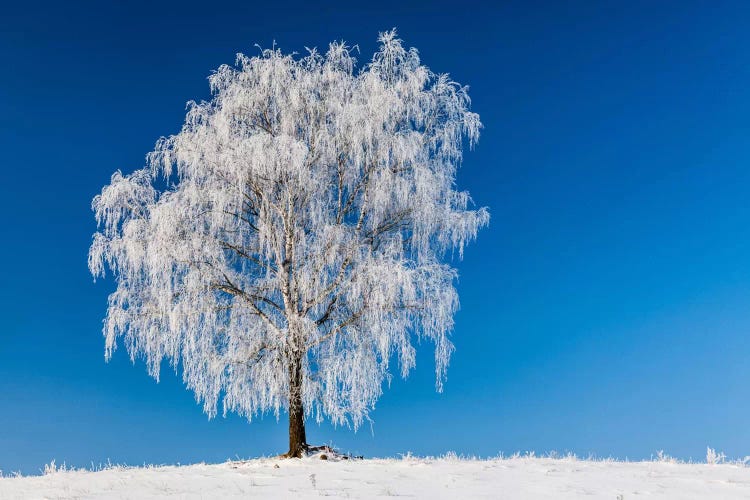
point(605, 310)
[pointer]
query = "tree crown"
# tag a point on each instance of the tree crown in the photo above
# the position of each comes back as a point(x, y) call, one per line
point(302, 214)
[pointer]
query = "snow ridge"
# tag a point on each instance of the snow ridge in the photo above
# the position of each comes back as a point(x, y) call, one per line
point(518, 476)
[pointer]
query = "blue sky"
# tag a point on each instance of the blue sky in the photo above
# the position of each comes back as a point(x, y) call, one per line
point(605, 310)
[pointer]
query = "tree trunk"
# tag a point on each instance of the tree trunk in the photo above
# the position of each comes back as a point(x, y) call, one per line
point(297, 438)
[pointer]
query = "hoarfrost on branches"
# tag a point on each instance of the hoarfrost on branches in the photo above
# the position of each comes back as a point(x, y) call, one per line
point(297, 244)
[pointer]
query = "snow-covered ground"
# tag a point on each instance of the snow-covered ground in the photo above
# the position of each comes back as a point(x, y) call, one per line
point(515, 477)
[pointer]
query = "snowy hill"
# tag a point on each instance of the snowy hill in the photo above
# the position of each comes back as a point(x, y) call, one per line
point(515, 477)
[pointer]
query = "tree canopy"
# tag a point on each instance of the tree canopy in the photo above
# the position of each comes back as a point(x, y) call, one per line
point(294, 238)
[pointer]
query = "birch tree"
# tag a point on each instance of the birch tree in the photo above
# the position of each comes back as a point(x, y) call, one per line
point(287, 247)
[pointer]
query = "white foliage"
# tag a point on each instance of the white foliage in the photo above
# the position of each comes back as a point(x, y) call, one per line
point(714, 458)
point(304, 214)
point(53, 468)
point(665, 458)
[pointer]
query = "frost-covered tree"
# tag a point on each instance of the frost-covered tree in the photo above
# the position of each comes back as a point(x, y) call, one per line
point(289, 242)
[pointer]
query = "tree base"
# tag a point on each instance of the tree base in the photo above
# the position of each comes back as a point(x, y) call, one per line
point(323, 452)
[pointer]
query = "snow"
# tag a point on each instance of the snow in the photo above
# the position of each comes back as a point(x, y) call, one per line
point(516, 477)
